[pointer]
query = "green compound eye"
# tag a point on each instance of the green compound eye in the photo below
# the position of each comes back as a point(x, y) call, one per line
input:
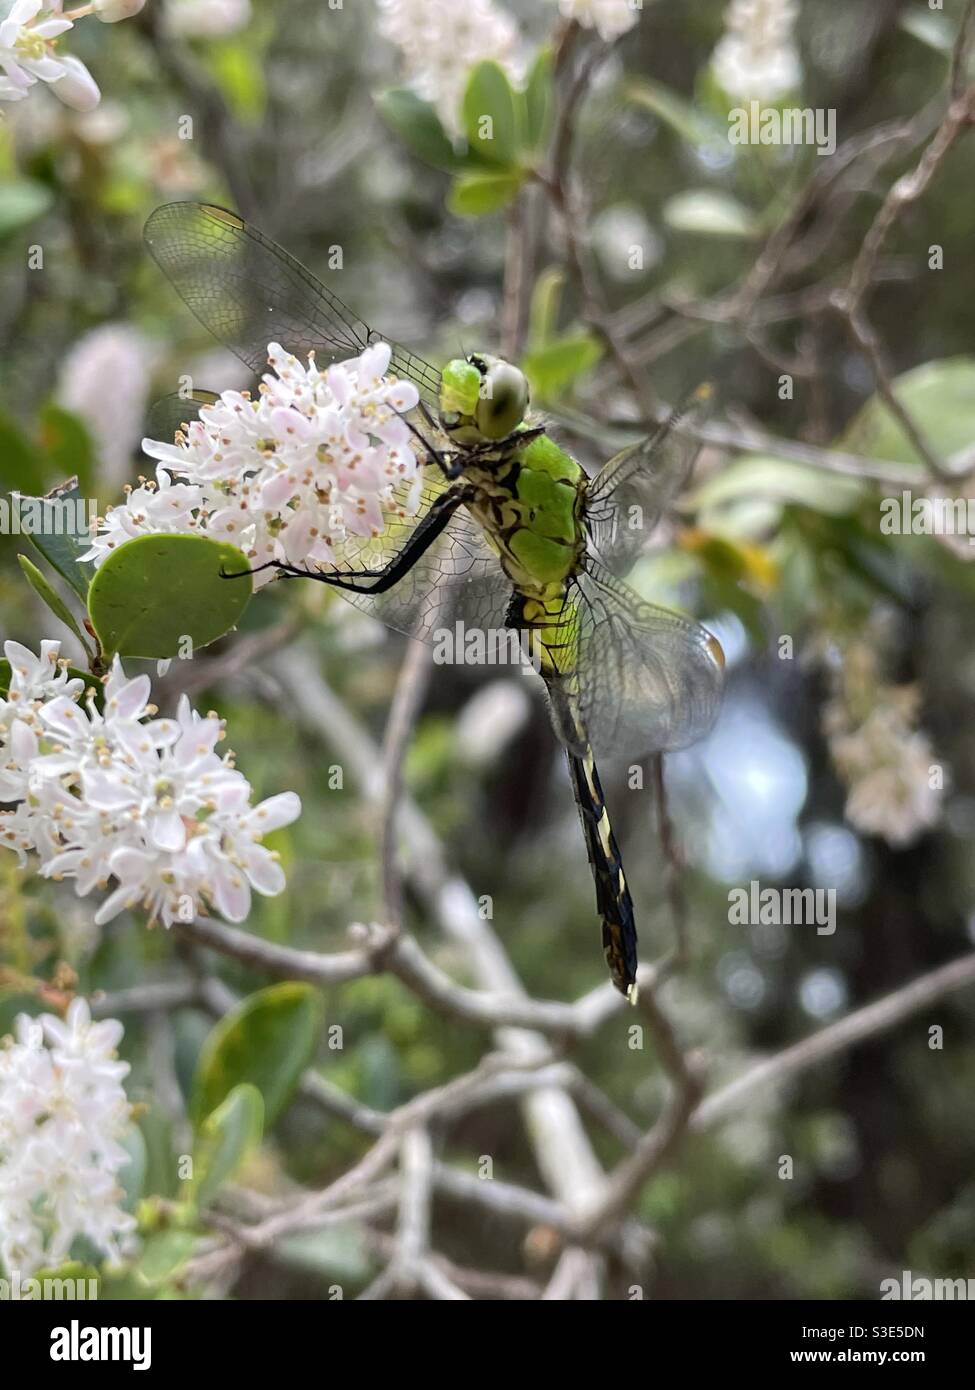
point(503, 399)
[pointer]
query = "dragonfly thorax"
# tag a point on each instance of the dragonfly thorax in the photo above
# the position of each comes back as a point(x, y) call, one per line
point(482, 399)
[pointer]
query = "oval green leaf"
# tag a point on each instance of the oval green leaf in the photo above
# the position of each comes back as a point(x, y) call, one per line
point(539, 101)
point(266, 1040)
point(417, 124)
point(225, 1138)
point(49, 595)
point(709, 213)
point(490, 115)
point(157, 594)
point(58, 526)
point(473, 195)
point(940, 397)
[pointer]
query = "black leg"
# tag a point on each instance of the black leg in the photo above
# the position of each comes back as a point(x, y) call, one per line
point(378, 581)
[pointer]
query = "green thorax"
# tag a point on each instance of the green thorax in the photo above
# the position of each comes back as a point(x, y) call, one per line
point(530, 505)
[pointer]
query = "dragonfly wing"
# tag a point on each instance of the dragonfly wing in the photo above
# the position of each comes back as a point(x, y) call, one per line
point(249, 292)
point(642, 679)
point(174, 412)
point(627, 497)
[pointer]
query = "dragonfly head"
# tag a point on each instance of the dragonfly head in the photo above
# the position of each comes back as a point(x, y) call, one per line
point(482, 398)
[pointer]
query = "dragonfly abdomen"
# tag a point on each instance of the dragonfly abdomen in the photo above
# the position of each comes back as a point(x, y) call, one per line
point(613, 901)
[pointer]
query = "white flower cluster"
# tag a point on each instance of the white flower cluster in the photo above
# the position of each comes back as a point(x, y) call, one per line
point(757, 56)
point(887, 763)
point(63, 1111)
point(609, 18)
point(310, 462)
point(442, 40)
point(29, 35)
point(115, 795)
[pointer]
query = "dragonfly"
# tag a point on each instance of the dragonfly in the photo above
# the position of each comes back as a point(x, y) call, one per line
point(510, 534)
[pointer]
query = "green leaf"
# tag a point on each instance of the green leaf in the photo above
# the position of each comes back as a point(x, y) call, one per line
point(53, 599)
point(550, 369)
point(680, 115)
point(940, 397)
point(539, 101)
point(67, 444)
point(266, 1040)
point(544, 311)
point(709, 214)
point(225, 1138)
point(417, 124)
point(155, 595)
point(930, 27)
point(490, 115)
point(63, 535)
point(164, 1255)
point(21, 202)
point(23, 463)
point(757, 476)
point(473, 195)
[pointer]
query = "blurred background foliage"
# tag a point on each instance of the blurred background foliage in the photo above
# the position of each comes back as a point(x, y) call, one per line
point(817, 773)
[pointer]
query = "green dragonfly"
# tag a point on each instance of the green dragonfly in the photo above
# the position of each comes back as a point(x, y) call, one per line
point(510, 533)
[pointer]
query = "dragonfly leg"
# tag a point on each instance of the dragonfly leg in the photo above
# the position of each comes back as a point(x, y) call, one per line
point(451, 470)
point(378, 581)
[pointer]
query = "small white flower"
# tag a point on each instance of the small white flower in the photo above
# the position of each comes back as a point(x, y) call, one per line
point(757, 56)
point(610, 18)
point(441, 40)
point(27, 43)
point(76, 87)
point(63, 1113)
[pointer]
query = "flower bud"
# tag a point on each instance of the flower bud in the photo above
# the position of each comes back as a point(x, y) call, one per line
point(76, 87)
point(111, 11)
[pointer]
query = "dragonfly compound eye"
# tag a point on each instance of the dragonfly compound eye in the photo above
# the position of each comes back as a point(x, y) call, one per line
point(503, 399)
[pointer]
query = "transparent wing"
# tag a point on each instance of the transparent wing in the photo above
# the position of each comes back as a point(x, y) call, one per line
point(641, 678)
point(248, 292)
point(627, 497)
point(174, 412)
